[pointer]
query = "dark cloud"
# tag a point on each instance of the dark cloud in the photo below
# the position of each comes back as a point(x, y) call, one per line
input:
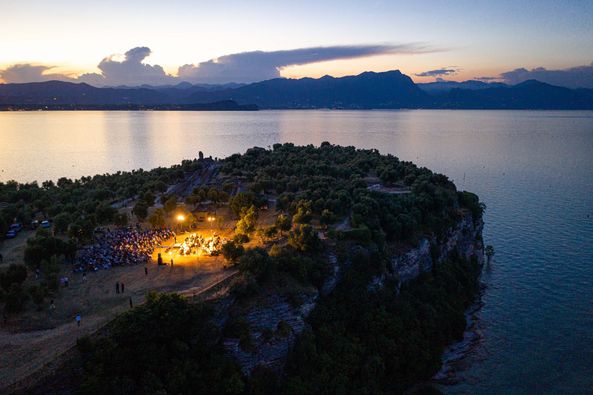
point(239, 67)
point(259, 65)
point(445, 71)
point(26, 72)
point(574, 77)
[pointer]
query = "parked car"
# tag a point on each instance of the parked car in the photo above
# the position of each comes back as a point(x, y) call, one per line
point(16, 227)
point(11, 234)
point(45, 224)
point(34, 224)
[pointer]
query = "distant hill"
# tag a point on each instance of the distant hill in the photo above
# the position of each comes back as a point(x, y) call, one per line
point(368, 90)
point(526, 95)
point(58, 95)
point(441, 87)
point(390, 89)
point(66, 93)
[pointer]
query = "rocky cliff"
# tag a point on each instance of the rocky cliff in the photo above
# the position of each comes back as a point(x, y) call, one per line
point(275, 324)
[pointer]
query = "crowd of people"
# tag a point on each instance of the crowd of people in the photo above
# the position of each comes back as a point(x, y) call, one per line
point(121, 247)
point(199, 245)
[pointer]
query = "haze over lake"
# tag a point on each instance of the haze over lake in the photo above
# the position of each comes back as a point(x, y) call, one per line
point(533, 169)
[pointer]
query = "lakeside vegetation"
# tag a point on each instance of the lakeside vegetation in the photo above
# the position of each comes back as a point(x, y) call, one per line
point(360, 339)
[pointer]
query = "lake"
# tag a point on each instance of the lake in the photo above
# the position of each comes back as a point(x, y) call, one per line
point(533, 169)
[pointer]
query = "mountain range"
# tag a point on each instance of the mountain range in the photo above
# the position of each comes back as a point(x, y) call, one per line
point(369, 90)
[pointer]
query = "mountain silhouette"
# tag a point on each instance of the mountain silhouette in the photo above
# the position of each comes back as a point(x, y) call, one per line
point(369, 90)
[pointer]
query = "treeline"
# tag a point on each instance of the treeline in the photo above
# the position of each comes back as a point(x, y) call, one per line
point(330, 183)
point(76, 207)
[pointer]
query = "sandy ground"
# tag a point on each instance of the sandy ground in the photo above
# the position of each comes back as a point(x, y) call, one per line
point(35, 338)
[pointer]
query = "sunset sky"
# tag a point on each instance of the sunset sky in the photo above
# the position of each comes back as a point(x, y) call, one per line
point(454, 40)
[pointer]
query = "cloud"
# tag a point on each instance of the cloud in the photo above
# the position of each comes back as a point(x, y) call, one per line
point(129, 71)
point(487, 79)
point(26, 72)
point(445, 71)
point(240, 67)
point(259, 65)
point(574, 77)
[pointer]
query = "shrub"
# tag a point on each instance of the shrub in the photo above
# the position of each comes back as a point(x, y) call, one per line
point(15, 274)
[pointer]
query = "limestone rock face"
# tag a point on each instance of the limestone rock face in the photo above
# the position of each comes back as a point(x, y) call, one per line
point(270, 346)
point(465, 238)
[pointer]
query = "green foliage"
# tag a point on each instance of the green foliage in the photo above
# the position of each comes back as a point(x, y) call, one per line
point(371, 341)
point(105, 213)
point(148, 198)
point(304, 238)
point(38, 294)
point(15, 298)
point(164, 346)
point(50, 270)
point(257, 262)
point(232, 251)
point(43, 247)
point(157, 218)
point(170, 204)
point(327, 183)
point(14, 274)
point(283, 223)
point(471, 201)
point(240, 201)
point(140, 210)
point(61, 222)
point(120, 219)
point(247, 220)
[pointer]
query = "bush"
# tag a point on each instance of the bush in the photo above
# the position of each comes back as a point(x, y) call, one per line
point(232, 251)
point(38, 294)
point(241, 238)
point(304, 238)
point(140, 210)
point(15, 274)
point(257, 262)
point(15, 298)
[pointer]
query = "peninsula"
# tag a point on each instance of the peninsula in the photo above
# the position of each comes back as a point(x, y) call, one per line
point(293, 269)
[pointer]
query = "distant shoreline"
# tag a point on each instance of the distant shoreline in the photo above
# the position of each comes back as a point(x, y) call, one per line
point(226, 105)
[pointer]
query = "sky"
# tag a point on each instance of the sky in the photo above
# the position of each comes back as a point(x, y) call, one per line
point(165, 42)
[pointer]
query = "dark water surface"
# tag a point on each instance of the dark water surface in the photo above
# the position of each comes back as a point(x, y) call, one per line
point(533, 169)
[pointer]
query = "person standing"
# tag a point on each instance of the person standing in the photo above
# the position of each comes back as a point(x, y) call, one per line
point(117, 287)
point(78, 320)
point(122, 288)
point(145, 271)
point(131, 303)
point(171, 263)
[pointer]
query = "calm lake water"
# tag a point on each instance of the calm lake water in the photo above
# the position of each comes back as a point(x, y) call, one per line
point(533, 169)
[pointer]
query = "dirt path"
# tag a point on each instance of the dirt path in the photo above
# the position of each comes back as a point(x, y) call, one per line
point(25, 353)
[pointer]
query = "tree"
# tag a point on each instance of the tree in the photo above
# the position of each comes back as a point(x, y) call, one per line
point(240, 201)
point(148, 198)
point(257, 262)
point(283, 223)
point(232, 251)
point(170, 204)
point(61, 222)
point(104, 213)
point(166, 346)
point(120, 219)
point(247, 221)
point(304, 238)
point(15, 274)
point(15, 298)
point(157, 219)
point(140, 210)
